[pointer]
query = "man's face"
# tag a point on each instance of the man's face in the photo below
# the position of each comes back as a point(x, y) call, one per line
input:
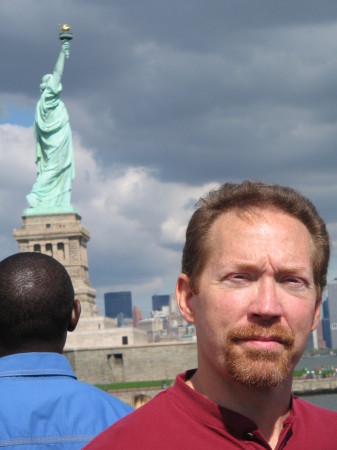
point(256, 302)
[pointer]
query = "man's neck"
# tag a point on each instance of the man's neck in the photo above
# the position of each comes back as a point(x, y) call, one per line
point(31, 346)
point(267, 408)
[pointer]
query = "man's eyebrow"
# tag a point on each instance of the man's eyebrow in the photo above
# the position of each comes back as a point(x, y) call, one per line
point(295, 271)
point(292, 269)
point(288, 270)
point(245, 267)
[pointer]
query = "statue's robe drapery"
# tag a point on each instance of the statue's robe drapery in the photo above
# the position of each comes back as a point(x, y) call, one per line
point(54, 150)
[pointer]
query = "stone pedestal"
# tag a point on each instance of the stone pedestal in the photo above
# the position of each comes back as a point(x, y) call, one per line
point(63, 237)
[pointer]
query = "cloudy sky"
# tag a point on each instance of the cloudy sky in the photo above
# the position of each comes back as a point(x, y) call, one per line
point(167, 99)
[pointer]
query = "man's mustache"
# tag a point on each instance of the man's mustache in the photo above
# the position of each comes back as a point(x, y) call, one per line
point(256, 331)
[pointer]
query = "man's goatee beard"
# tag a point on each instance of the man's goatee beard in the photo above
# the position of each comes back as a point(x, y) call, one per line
point(256, 367)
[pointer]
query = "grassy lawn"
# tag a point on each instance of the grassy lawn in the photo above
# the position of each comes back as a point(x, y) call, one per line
point(134, 385)
point(301, 373)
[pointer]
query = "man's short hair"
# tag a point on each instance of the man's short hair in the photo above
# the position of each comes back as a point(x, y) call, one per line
point(36, 299)
point(246, 196)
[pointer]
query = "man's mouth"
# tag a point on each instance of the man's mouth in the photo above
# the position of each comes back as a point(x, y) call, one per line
point(263, 343)
point(257, 336)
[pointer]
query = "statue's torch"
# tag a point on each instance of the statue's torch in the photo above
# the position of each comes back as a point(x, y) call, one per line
point(65, 35)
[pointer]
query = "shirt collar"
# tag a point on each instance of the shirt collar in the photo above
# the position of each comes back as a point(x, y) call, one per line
point(35, 364)
point(216, 416)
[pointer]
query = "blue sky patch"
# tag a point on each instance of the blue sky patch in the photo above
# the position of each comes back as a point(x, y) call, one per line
point(18, 115)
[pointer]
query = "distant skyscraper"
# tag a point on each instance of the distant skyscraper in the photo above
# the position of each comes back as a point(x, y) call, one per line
point(310, 343)
point(136, 315)
point(117, 303)
point(326, 332)
point(326, 323)
point(321, 342)
point(332, 302)
point(158, 301)
point(325, 309)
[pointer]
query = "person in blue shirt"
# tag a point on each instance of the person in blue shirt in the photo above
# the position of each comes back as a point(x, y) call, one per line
point(43, 405)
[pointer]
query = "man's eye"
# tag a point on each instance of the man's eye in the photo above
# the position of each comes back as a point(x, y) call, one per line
point(293, 281)
point(239, 277)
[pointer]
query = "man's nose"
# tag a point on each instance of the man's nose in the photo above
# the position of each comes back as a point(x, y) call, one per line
point(265, 303)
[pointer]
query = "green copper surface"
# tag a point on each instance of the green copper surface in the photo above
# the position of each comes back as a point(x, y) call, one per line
point(51, 191)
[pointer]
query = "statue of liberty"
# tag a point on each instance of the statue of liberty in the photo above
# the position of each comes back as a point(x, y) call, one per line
point(51, 191)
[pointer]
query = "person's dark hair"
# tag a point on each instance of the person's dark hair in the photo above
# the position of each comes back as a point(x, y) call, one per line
point(140, 400)
point(36, 299)
point(245, 196)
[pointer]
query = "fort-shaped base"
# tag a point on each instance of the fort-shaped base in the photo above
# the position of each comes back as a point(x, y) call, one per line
point(63, 237)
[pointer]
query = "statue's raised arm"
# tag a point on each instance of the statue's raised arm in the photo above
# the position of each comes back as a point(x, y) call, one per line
point(54, 152)
point(59, 66)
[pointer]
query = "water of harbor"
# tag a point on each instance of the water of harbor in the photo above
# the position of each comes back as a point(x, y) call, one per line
point(328, 401)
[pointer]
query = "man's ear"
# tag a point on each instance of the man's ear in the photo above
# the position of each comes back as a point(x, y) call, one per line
point(185, 296)
point(75, 315)
point(317, 314)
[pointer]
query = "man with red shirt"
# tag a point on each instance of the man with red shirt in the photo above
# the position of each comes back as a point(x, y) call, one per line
point(253, 269)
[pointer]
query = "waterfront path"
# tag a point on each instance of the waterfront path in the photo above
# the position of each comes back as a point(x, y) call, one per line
point(314, 386)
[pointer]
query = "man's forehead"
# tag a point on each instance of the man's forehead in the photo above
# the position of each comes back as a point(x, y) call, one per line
point(245, 220)
point(253, 214)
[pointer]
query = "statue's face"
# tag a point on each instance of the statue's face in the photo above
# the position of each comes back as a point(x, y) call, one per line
point(44, 82)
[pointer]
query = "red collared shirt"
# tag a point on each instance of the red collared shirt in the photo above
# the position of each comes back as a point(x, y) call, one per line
point(181, 419)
